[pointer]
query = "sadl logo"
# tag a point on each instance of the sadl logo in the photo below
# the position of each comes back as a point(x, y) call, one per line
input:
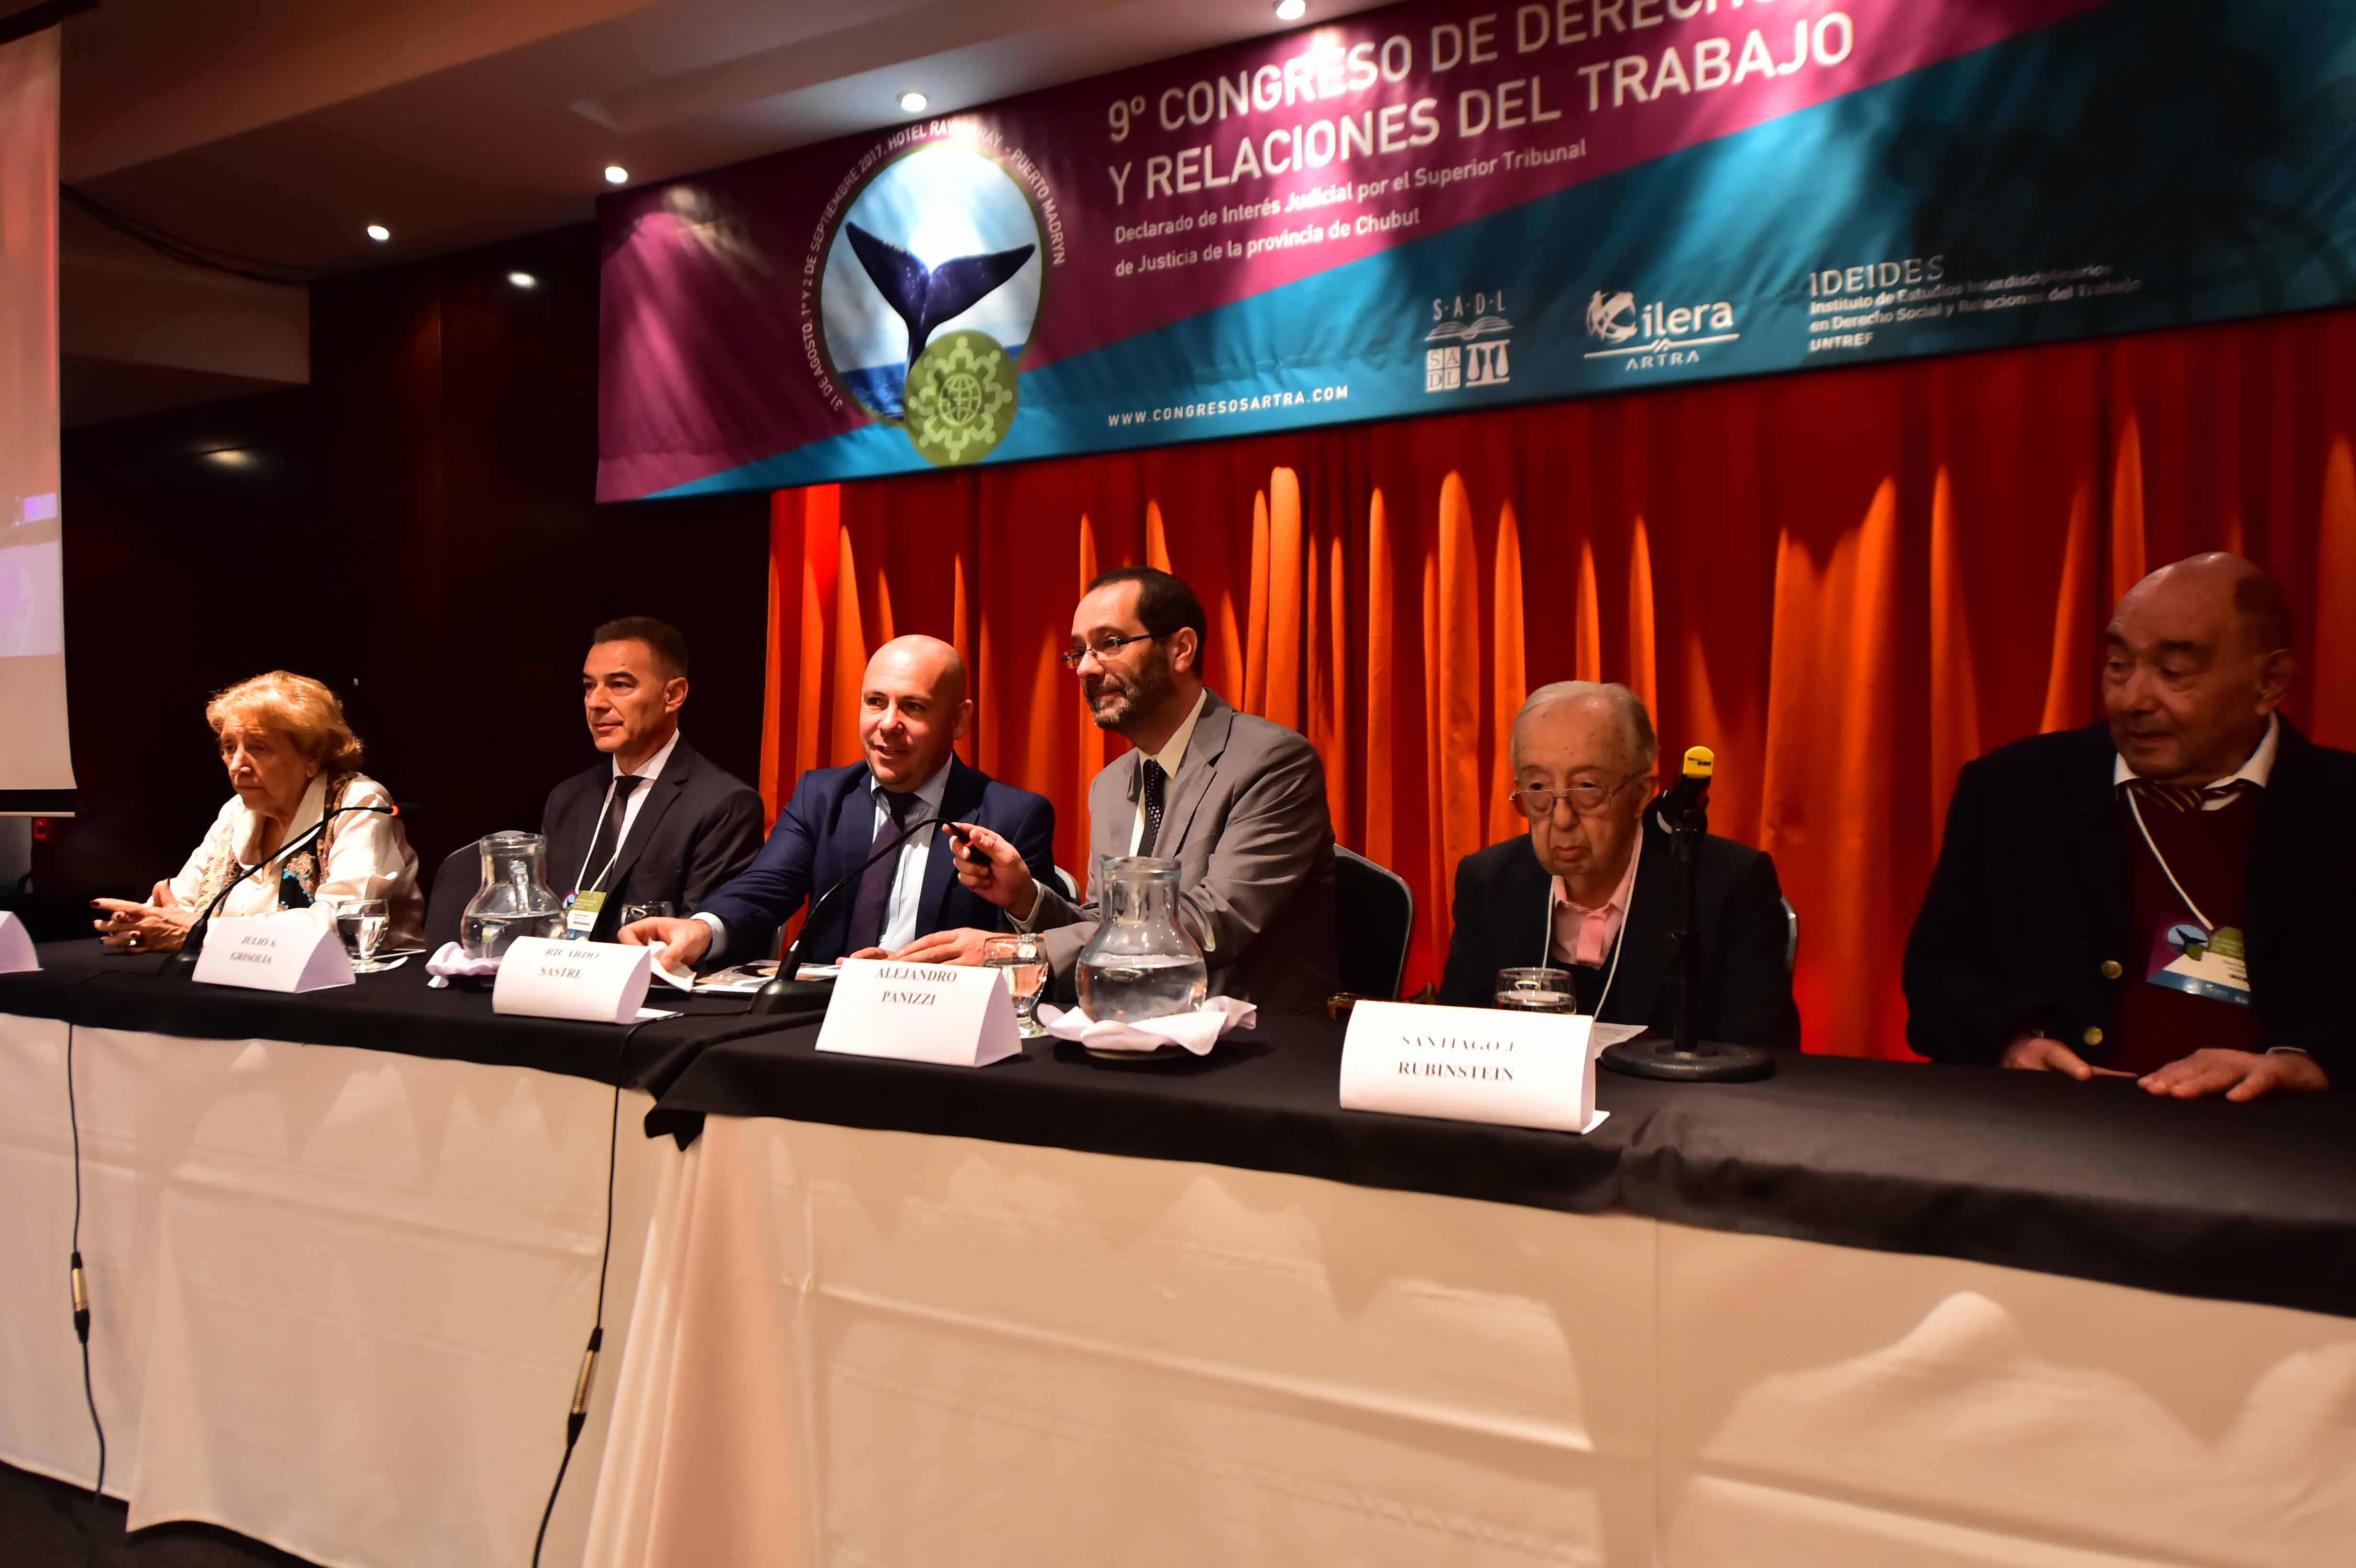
point(1648, 337)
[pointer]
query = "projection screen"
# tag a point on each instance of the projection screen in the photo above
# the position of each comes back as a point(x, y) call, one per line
point(35, 764)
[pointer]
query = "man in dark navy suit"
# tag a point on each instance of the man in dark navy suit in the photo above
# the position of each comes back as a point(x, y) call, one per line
point(913, 709)
point(657, 821)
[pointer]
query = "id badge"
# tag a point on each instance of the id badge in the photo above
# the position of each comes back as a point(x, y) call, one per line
point(581, 912)
point(2187, 956)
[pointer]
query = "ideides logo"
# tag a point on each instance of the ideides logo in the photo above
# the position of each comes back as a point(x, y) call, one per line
point(1648, 337)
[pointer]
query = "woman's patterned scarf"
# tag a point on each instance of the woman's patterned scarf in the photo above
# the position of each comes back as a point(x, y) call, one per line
point(302, 868)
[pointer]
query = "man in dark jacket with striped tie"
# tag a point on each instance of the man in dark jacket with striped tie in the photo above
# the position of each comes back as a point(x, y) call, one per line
point(2165, 895)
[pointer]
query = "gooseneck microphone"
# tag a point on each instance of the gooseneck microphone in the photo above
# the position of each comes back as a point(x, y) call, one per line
point(786, 994)
point(1685, 1058)
point(184, 962)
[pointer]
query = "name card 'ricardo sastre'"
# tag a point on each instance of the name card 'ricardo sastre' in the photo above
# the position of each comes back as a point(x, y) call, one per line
point(1471, 1064)
point(953, 1015)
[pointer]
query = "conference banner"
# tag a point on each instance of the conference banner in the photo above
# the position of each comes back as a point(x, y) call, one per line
point(1441, 207)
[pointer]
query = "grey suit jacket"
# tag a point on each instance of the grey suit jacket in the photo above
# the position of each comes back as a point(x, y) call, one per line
point(1246, 822)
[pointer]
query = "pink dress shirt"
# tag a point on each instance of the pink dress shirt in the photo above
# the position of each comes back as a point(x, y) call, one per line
point(1584, 935)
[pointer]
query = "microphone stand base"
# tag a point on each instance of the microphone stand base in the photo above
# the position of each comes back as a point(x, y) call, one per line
point(1705, 1064)
point(783, 996)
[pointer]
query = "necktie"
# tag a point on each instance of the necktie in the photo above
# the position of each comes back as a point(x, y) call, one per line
point(1153, 778)
point(873, 909)
point(609, 832)
point(2186, 797)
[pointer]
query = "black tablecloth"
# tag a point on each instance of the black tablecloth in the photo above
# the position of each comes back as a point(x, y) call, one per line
point(2253, 1202)
point(394, 1010)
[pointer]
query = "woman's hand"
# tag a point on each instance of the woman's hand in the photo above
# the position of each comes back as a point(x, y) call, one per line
point(157, 926)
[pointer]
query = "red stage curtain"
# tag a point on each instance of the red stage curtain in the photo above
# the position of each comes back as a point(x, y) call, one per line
point(1848, 583)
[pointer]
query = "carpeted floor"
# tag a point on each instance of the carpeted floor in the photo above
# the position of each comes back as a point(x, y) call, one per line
point(48, 1524)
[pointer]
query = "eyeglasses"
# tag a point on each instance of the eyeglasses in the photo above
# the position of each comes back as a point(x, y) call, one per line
point(1587, 797)
point(1104, 648)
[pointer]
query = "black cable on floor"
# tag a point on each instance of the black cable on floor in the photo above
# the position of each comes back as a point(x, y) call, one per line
point(577, 1417)
point(80, 1287)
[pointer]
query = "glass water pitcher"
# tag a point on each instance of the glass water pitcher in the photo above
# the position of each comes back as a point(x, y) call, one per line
point(1140, 963)
point(514, 900)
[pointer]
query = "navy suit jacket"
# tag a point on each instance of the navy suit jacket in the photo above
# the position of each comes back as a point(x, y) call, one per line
point(827, 830)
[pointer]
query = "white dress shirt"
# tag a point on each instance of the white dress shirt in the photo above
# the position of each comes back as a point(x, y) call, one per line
point(648, 770)
point(367, 857)
point(908, 877)
point(1172, 753)
point(908, 883)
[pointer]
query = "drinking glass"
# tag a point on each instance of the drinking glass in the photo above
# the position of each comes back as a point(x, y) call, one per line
point(1022, 958)
point(361, 924)
point(1538, 990)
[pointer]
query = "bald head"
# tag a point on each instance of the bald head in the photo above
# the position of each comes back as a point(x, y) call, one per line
point(2229, 590)
point(926, 659)
point(2196, 658)
point(1610, 712)
point(912, 708)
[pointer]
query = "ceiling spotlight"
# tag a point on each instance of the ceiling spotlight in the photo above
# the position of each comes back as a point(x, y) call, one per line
point(617, 174)
point(523, 280)
point(914, 102)
point(230, 457)
point(1291, 10)
point(378, 232)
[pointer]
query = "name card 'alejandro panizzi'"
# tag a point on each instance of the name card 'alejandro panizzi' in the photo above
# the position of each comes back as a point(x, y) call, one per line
point(1470, 1064)
point(947, 1014)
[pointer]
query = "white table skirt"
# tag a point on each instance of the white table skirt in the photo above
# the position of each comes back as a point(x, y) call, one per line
point(339, 1296)
point(877, 1348)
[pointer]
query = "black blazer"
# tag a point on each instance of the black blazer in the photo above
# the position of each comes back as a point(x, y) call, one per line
point(827, 829)
point(1503, 922)
point(2029, 899)
point(697, 827)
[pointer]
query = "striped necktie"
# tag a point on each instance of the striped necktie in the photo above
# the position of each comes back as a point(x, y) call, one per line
point(2187, 797)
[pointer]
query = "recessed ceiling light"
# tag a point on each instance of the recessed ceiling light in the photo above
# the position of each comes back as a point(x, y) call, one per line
point(523, 280)
point(378, 232)
point(230, 457)
point(1291, 10)
point(617, 174)
point(914, 102)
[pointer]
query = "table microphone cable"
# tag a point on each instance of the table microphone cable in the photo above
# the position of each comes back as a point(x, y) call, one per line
point(577, 1416)
point(74, 1268)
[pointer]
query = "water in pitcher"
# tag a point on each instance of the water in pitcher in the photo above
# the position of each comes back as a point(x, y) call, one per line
point(1125, 988)
point(489, 936)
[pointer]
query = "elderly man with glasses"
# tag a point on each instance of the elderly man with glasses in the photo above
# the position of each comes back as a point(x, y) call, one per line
point(1237, 802)
point(1590, 889)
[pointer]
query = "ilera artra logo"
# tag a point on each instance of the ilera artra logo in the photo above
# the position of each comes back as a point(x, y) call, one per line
point(1611, 317)
point(1657, 333)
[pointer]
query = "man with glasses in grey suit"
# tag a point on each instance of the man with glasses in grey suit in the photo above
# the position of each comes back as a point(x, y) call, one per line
point(1237, 802)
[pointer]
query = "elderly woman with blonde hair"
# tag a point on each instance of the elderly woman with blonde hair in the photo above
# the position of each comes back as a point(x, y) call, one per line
point(291, 759)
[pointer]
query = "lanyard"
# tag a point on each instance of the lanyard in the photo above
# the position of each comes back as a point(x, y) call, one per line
point(2136, 812)
point(618, 837)
point(1618, 943)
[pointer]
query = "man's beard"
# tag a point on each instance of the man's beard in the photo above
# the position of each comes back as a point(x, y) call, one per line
point(1146, 688)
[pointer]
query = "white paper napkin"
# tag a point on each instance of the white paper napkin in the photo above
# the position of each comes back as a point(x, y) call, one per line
point(1195, 1032)
point(451, 959)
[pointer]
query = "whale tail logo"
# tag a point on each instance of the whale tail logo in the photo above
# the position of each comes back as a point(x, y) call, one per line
point(925, 296)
